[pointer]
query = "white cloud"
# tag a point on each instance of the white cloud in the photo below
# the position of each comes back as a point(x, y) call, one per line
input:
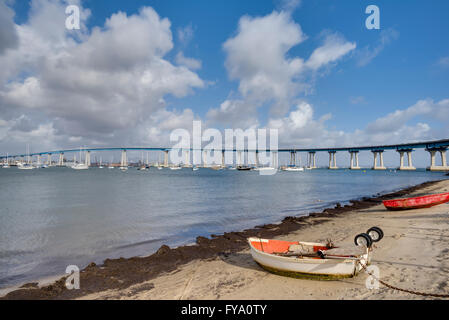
point(300, 128)
point(368, 53)
point(258, 57)
point(185, 34)
point(289, 5)
point(397, 119)
point(234, 113)
point(8, 32)
point(333, 48)
point(102, 86)
point(190, 63)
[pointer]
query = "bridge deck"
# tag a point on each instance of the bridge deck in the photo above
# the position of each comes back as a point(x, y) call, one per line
point(436, 144)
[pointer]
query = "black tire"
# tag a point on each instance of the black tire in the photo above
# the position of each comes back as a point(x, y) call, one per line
point(363, 239)
point(375, 233)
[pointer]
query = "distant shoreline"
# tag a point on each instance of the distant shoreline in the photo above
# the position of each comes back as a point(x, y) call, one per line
point(122, 273)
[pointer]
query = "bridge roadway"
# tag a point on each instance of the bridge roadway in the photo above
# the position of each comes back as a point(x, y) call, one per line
point(433, 147)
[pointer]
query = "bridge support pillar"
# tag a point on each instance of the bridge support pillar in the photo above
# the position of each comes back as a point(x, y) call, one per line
point(257, 159)
point(332, 160)
point(354, 165)
point(165, 158)
point(402, 166)
point(223, 162)
point(38, 159)
point(275, 159)
point(204, 158)
point(433, 166)
point(381, 160)
point(49, 159)
point(311, 161)
point(187, 158)
point(239, 158)
point(87, 159)
point(61, 159)
point(123, 160)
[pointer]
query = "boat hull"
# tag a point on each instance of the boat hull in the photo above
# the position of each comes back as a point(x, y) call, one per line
point(293, 169)
point(80, 166)
point(416, 202)
point(309, 268)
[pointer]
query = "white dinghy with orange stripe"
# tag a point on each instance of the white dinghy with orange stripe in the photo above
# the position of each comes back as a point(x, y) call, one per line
point(314, 260)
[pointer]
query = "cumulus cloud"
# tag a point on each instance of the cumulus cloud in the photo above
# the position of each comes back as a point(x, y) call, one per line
point(289, 5)
point(8, 32)
point(399, 118)
point(230, 114)
point(101, 85)
point(301, 128)
point(258, 57)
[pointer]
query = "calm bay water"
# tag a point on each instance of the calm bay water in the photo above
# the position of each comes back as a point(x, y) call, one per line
point(51, 218)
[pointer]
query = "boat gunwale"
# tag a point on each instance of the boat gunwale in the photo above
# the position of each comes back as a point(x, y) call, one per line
point(420, 202)
point(420, 197)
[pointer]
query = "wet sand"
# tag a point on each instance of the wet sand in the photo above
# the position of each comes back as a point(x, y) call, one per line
point(414, 255)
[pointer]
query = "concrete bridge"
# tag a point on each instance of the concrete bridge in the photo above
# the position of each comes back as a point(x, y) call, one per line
point(404, 150)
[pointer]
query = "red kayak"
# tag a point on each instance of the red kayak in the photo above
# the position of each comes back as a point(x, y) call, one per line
point(417, 202)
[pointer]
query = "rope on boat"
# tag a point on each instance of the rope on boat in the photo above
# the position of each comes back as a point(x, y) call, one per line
point(400, 289)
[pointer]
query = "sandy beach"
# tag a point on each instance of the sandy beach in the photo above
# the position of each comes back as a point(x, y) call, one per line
point(412, 255)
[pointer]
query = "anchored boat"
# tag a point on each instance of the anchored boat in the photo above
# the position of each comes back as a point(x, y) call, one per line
point(417, 202)
point(314, 260)
point(293, 169)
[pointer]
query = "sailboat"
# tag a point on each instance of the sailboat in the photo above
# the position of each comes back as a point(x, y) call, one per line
point(27, 165)
point(69, 164)
point(110, 164)
point(6, 164)
point(142, 167)
point(159, 167)
point(101, 167)
point(293, 167)
point(80, 165)
point(147, 165)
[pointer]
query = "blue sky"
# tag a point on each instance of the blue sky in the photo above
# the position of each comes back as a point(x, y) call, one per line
point(403, 64)
point(405, 71)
